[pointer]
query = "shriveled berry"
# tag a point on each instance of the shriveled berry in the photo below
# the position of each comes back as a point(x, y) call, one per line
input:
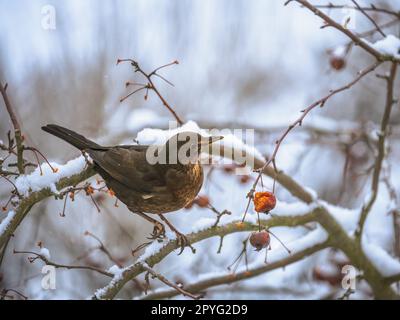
point(260, 239)
point(202, 201)
point(337, 63)
point(264, 201)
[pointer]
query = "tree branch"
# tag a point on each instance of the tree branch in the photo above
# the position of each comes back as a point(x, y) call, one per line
point(176, 288)
point(17, 128)
point(62, 266)
point(357, 40)
point(203, 285)
point(359, 8)
point(110, 291)
point(364, 12)
point(381, 150)
point(34, 197)
point(298, 122)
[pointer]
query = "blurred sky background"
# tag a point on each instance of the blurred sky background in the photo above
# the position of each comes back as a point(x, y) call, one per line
point(252, 64)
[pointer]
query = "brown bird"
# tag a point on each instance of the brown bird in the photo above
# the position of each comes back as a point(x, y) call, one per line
point(148, 179)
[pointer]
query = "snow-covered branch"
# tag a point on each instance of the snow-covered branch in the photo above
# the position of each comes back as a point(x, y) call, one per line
point(207, 282)
point(37, 188)
point(156, 252)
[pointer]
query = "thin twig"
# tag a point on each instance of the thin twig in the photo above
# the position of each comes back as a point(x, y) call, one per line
point(298, 122)
point(357, 40)
point(371, 8)
point(170, 284)
point(17, 128)
point(203, 285)
point(104, 249)
point(364, 12)
point(151, 86)
point(381, 150)
point(58, 265)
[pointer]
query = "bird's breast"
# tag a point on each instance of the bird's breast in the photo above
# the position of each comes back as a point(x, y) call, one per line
point(190, 184)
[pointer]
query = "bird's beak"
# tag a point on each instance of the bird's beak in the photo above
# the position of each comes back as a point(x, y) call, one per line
point(209, 140)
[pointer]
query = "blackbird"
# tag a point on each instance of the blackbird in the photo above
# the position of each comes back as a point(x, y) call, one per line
point(148, 179)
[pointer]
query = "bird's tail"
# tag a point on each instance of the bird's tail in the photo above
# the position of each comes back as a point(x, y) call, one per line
point(71, 137)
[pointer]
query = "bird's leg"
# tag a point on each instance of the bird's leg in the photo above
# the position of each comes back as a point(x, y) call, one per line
point(159, 229)
point(180, 237)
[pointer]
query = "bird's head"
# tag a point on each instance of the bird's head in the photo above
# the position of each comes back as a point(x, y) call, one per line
point(186, 146)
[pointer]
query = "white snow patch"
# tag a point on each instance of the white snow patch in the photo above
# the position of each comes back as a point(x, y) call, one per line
point(151, 249)
point(340, 51)
point(347, 218)
point(115, 270)
point(312, 238)
point(35, 182)
point(6, 221)
point(230, 141)
point(381, 259)
point(388, 46)
point(282, 209)
point(159, 136)
point(99, 293)
point(45, 253)
point(292, 209)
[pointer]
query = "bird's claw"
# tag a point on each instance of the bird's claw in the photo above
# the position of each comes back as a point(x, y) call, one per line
point(183, 242)
point(158, 231)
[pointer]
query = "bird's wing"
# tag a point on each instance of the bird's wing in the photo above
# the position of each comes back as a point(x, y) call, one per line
point(130, 167)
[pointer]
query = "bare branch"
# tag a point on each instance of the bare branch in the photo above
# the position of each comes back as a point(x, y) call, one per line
point(150, 85)
point(110, 291)
point(381, 150)
point(357, 40)
point(17, 128)
point(203, 285)
point(177, 288)
point(298, 122)
point(58, 265)
point(364, 12)
point(372, 8)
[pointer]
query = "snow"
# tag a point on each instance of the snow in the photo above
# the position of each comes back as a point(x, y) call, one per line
point(151, 249)
point(99, 293)
point(383, 261)
point(115, 270)
point(158, 136)
point(118, 274)
point(340, 51)
point(283, 208)
point(231, 140)
point(205, 223)
point(45, 253)
point(35, 182)
point(6, 221)
point(347, 218)
point(388, 46)
point(312, 238)
point(268, 97)
point(312, 192)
